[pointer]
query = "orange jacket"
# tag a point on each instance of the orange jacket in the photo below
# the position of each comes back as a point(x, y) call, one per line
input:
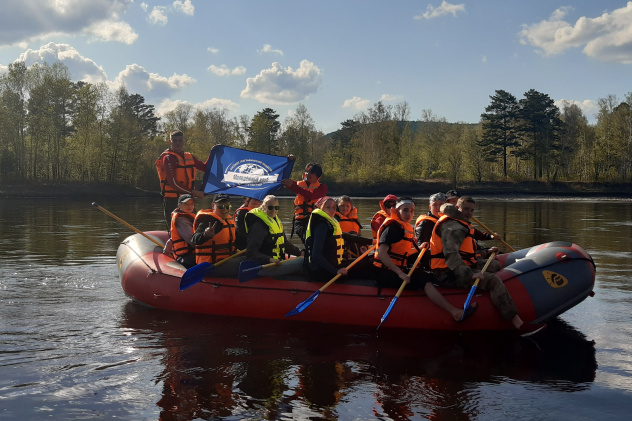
point(184, 173)
point(398, 252)
point(221, 245)
point(180, 246)
point(467, 250)
point(303, 207)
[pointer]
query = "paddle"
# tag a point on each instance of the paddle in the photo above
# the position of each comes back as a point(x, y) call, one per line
point(302, 306)
point(473, 289)
point(401, 288)
point(490, 231)
point(249, 269)
point(196, 273)
point(159, 244)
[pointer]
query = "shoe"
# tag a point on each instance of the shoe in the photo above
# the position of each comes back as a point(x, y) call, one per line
point(528, 329)
point(468, 312)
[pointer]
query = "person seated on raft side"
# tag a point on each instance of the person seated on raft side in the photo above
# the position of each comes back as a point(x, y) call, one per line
point(214, 237)
point(380, 216)
point(453, 197)
point(396, 254)
point(347, 217)
point(267, 242)
point(425, 224)
point(325, 243)
point(454, 262)
point(239, 218)
point(181, 231)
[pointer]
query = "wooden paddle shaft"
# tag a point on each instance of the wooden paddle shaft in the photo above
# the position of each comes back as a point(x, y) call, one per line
point(159, 244)
point(490, 232)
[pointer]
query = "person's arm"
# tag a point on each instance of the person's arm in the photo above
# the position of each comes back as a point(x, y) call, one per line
point(205, 230)
point(319, 235)
point(185, 228)
point(254, 240)
point(424, 231)
point(390, 235)
point(199, 165)
point(290, 248)
point(377, 221)
point(317, 193)
point(452, 237)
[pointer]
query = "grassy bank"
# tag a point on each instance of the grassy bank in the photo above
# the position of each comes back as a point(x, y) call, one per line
point(414, 189)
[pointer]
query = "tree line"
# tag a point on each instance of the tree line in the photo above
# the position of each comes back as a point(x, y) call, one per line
point(55, 130)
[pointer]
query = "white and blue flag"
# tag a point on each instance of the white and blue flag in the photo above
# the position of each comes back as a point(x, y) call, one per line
point(245, 173)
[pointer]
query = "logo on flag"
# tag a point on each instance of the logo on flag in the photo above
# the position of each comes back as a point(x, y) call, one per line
point(249, 173)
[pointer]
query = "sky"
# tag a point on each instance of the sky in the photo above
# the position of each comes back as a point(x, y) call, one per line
point(336, 57)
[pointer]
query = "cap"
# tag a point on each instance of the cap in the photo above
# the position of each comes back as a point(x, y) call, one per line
point(451, 193)
point(437, 197)
point(390, 197)
point(221, 198)
point(184, 198)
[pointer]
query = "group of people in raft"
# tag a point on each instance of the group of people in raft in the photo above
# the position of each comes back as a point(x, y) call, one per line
point(329, 230)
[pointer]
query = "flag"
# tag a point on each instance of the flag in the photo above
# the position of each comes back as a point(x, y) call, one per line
point(245, 173)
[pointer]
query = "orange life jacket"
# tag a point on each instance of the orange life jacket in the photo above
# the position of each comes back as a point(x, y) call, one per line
point(184, 173)
point(302, 207)
point(180, 246)
point(467, 250)
point(380, 212)
point(398, 252)
point(247, 208)
point(221, 245)
point(349, 223)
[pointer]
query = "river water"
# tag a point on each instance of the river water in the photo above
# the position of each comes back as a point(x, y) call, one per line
point(73, 346)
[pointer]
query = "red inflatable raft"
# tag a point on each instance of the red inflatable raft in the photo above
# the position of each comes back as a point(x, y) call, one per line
point(544, 281)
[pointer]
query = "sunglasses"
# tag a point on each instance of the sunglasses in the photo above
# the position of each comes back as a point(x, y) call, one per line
point(223, 207)
point(270, 207)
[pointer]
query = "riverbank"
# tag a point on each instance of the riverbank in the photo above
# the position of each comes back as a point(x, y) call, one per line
point(415, 189)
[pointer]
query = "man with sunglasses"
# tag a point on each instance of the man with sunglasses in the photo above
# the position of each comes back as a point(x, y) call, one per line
point(214, 236)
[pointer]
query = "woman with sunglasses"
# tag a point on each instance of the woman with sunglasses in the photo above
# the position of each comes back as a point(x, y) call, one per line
point(266, 240)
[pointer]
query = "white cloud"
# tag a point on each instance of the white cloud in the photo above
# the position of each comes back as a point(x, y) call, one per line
point(32, 20)
point(158, 16)
point(212, 50)
point(223, 70)
point(389, 97)
point(606, 38)
point(152, 86)
point(112, 31)
point(277, 85)
point(444, 9)
point(356, 103)
point(484, 59)
point(144, 6)
point(588, 107)
point(185, 7)
point(80, 67)
point(168, 105)
point(267, 48)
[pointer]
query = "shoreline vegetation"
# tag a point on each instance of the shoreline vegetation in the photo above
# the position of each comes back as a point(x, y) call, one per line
point(417, 189)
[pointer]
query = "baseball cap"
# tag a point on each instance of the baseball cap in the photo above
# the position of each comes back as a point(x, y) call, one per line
point(221, 198)
point(183, 198)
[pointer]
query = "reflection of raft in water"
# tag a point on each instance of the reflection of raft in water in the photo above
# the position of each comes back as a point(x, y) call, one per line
point(544, 281)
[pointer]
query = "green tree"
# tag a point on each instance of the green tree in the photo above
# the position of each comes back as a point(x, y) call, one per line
point(263, 132)
point(499, 127)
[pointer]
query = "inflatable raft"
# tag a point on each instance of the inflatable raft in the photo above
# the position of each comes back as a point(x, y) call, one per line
point(544, 281)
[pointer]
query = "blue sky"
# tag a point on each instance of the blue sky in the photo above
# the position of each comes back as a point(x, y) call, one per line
point(335, 57)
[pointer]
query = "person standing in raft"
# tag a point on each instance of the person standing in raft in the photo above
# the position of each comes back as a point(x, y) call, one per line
point(347, 217)
point(240, 217)
point(453, 258)
point(267, 242)
point(396, 253)
point(176, 171)
point(308, 191)
point(214, 236)
point(385, 212)
point(182, 230)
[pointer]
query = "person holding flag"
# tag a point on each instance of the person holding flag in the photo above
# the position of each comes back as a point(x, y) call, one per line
point(176, 171)
point(308, 191)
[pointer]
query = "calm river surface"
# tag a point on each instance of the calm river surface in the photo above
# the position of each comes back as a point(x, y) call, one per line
point(73, 346)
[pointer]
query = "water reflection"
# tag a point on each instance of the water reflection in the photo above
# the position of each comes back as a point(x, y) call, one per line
point(230, 367)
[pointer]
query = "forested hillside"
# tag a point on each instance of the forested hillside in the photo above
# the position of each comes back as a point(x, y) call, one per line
point(55, 130)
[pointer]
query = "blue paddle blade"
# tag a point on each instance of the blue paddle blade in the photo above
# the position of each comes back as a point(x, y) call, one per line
point(469, 298)
point(388, 311)
point(248, 269)
point(195, 274)
point(302, 306)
